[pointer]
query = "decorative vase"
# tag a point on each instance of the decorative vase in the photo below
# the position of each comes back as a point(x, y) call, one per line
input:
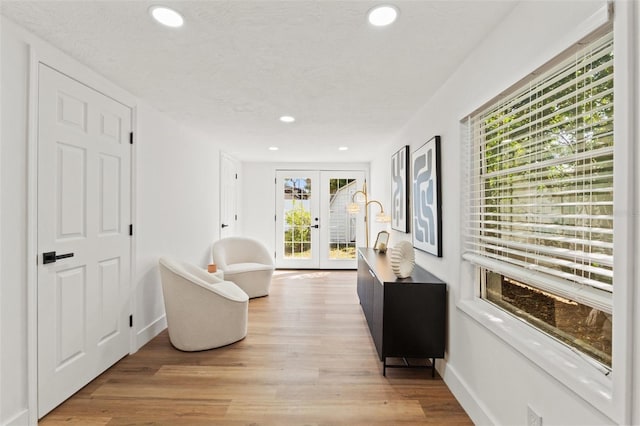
point(403, 259)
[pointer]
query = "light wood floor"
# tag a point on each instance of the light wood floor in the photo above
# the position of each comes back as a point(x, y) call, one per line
point(308, 359)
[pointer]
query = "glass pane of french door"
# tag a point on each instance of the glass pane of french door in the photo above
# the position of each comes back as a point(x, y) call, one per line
point(297, 218)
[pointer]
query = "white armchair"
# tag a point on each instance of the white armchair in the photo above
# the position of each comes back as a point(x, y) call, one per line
point(203, 312)
point(246, 262)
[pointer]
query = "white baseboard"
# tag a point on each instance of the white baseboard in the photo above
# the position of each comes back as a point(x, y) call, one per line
point(150, 331)
point(476, 410)
point(20, 419)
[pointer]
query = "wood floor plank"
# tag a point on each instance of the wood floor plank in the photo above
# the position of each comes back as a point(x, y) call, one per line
point(140, 410)
point(344, 411)
point(184, 388)
point(308, 359)
point(238, 375)
point(337, 392)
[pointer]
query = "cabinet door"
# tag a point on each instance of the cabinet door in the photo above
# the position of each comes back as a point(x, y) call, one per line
point(414, 317)
point(365, 289)
point(376, 324)
point(363, 277)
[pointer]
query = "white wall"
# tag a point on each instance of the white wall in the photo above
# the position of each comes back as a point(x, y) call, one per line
point(1, 217)
point(176, 184)
point(258, 195)
point(13, 250)
point(493, 381)
point(177, 212)
point(636, 210)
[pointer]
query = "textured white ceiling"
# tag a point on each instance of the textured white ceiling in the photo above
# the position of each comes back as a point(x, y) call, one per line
point(236, 66)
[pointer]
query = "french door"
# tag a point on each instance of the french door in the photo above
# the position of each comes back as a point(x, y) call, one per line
point(313, 228)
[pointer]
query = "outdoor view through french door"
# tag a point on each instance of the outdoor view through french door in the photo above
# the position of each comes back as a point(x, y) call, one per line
point(313, 228)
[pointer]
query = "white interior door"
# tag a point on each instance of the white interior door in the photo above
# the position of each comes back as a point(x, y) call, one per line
point(313, 228)
point(84, 173)
point(228, 196)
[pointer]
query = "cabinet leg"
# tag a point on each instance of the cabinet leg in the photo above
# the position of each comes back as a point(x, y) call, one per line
point(433, 368)
point(384, 366)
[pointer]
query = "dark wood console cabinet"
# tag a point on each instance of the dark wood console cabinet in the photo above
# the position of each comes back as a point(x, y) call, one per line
point(406, 316)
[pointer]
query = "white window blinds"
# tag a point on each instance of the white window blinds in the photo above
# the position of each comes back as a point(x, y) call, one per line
point(539, 198)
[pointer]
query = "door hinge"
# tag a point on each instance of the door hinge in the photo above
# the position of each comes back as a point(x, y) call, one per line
point(131, 138)
point(236, 216)
point(236, 176)
point(130, 321)
point(131, 229)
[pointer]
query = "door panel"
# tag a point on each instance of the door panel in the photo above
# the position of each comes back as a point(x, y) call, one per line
point(110, 196)
point(70, 305)
point(109, 286)
point(70, 169)
point(84, 210)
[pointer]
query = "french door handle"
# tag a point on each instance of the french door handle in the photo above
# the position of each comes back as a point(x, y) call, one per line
point(51, 257)
point(314, 226)
point(224, 225)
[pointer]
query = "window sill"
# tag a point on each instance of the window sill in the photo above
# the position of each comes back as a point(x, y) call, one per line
point(583, 376)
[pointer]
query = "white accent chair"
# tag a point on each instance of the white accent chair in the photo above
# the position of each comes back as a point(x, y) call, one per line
point(246, 262)
point(203, 312)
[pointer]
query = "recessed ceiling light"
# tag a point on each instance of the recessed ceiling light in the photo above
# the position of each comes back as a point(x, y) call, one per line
point(287, 119)
point(166, 16)
point(343, 148)
point(273, 148)
point(381, 16)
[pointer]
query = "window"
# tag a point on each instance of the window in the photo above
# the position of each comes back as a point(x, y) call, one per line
point(539, 214)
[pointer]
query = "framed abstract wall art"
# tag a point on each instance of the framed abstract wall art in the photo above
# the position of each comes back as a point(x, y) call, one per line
point(427, 213)
point(400, 190)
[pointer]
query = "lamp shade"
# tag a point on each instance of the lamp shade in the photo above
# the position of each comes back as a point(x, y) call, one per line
point(383, 218)
point(353, 208)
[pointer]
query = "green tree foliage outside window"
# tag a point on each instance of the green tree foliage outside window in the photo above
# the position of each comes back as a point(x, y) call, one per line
point(534, 154)
point(297, 236)
point(544, 163)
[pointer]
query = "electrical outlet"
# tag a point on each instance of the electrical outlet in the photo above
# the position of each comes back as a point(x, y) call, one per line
point(533, 418)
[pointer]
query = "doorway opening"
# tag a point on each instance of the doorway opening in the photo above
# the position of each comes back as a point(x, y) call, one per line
point(313, 227)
